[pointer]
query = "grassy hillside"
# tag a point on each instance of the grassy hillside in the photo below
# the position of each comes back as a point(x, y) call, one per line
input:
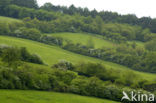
point(14, 96)
point(83, 39)
point(52, 54)
point(98, 40)
point(8, 20)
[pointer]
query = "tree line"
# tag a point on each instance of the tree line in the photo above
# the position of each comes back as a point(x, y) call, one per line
point(144, 22)
point(52, 21)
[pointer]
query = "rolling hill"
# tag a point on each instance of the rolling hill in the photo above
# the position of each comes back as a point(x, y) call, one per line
point(52, 54)
point(91, 67)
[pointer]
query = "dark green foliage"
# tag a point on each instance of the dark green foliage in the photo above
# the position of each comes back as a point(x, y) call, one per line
point(35, 59)
point(8, 79)
point(62, 81)
point(4, 3)
point(27, 33)
point(39, 79)
point(64, 65)
point(92, 69)
point(25, 3)
point(22, 12)
point(13, 55)
point(10, 55)
point(57, 22)
point(24, 54)
point(4, 29)
point(43, 26)
point(144, 22)
point(149, 62)
point(150, 86)
point(78, 48)
point(151, 45)
point(98, 70)
point(51, 40)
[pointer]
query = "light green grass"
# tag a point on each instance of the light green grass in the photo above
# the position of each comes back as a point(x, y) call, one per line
point(83, 38)
point(52, 54)
point(98, 40)
point(25, 96)
point(8, 19)
point(138, 43)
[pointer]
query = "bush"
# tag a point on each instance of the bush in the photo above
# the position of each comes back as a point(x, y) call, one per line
point(151, 45)
point(11, 55)
point(28, 33)
point(93, 69)
point(51, 40)
point(63, 65)
point(4, 28)
point(35, 59)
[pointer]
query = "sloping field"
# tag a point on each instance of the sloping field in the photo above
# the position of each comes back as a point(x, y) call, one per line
point(52, 54)
point(98, 40)
point(83, 38)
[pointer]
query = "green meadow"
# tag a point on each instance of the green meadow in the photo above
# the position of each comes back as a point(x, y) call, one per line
point(9, 20)
point(98, 40)
point(83, 38)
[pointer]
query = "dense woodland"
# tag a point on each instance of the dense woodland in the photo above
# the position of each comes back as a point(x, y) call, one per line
point(89, 79)
point(145, 22)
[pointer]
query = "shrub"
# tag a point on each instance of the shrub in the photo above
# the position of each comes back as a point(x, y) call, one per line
point(93, 69)
point(35, 59)
point(4, 28)
point(28, 33)
point(64, 65)
point(11, 55)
